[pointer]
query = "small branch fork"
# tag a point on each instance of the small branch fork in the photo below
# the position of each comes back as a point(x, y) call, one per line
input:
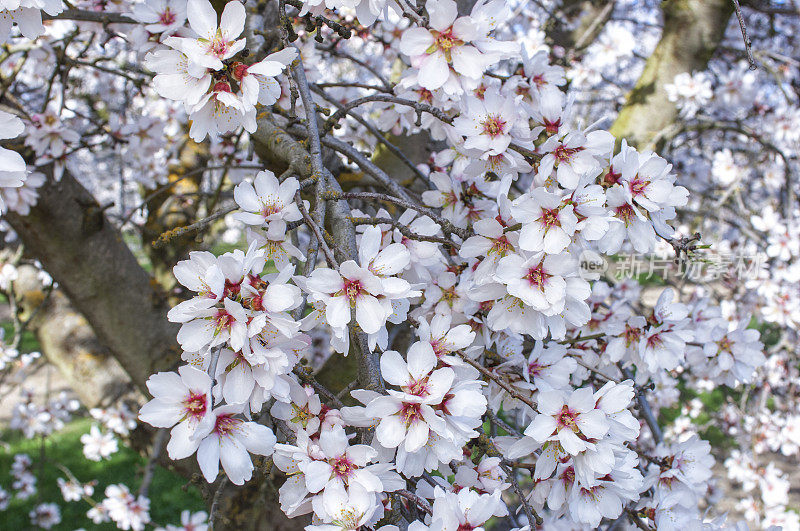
point(170, 235)
point(684, 245)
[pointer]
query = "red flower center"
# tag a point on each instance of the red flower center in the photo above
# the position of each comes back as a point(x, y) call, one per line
point(218, 47)
point(638, 186)
point(424, 95)
point(537, 276)
point(625, 213)
point(493, 125)
point(195, 405)
point(445, 40)
point(419, 387)
point(342, 467)
point(549, 218)
point(222, 86)
point(352, 289)
point(611, 177)
point(410, 412)
point(167, 17)
point(568, 419)
point(225, 424)
point(563, 153)
point(501, 245)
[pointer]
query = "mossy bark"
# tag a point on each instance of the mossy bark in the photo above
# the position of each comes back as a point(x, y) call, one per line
point(692, 31)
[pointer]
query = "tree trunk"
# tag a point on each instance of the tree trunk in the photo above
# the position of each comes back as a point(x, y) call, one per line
point(68, 232)
point(692, 31)
point(67, 341)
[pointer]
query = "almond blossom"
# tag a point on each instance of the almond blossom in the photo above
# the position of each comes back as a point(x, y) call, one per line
point(223, 437)
point(352, 287)
point(267, 202)
point(217, 40)
point(451, 42)
point(181, 400)
point(489, 124)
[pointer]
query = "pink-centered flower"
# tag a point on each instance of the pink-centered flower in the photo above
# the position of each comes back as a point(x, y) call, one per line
point(224, 437)
point(352, 287)
point(182, 400)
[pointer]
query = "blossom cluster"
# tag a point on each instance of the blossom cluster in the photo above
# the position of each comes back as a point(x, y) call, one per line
point(506, 326)
point(495, 377)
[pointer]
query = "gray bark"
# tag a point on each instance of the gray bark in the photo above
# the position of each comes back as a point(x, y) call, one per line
point(68, 232)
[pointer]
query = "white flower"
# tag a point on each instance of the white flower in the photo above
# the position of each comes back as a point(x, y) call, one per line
point(408, 417)
point(451, 41)
point(536, 279)
point(344, 510)
point(215, 42)
point(12, 166)
point(489, 124)
point(220, 111)
point(548, 223)
point(225, 438)
point(724, 168)
point(175, 80)
point(490, 241)
point(627, 222)
point(340, 464)
point(734, 356)
point(543, 76)
point(574, 156)
point(27, 14)
point(465, 510)
point(45, 515)
point(690, 91)
point(181, 400)
point(127, 511)
point(352, 287)
point(258, 82)
point(548, 367)
point(303, 411)
point(267, 202)
point(74, 491)
point(207, 325)
point(161, 16)
point(573, 422)
point(97, 445)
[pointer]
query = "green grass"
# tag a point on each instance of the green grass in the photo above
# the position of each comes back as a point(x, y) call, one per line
point(167, 494)
point(28, 343)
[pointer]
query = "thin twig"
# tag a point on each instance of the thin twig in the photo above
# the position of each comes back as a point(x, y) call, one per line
point(745, 37)
point(170, 235)
point(508, 389)
point(317, 233)
point(644, 406)
point(212, 514)
point(150, 469)
point(404, 230)
point(445, 224)
point(421, 503)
